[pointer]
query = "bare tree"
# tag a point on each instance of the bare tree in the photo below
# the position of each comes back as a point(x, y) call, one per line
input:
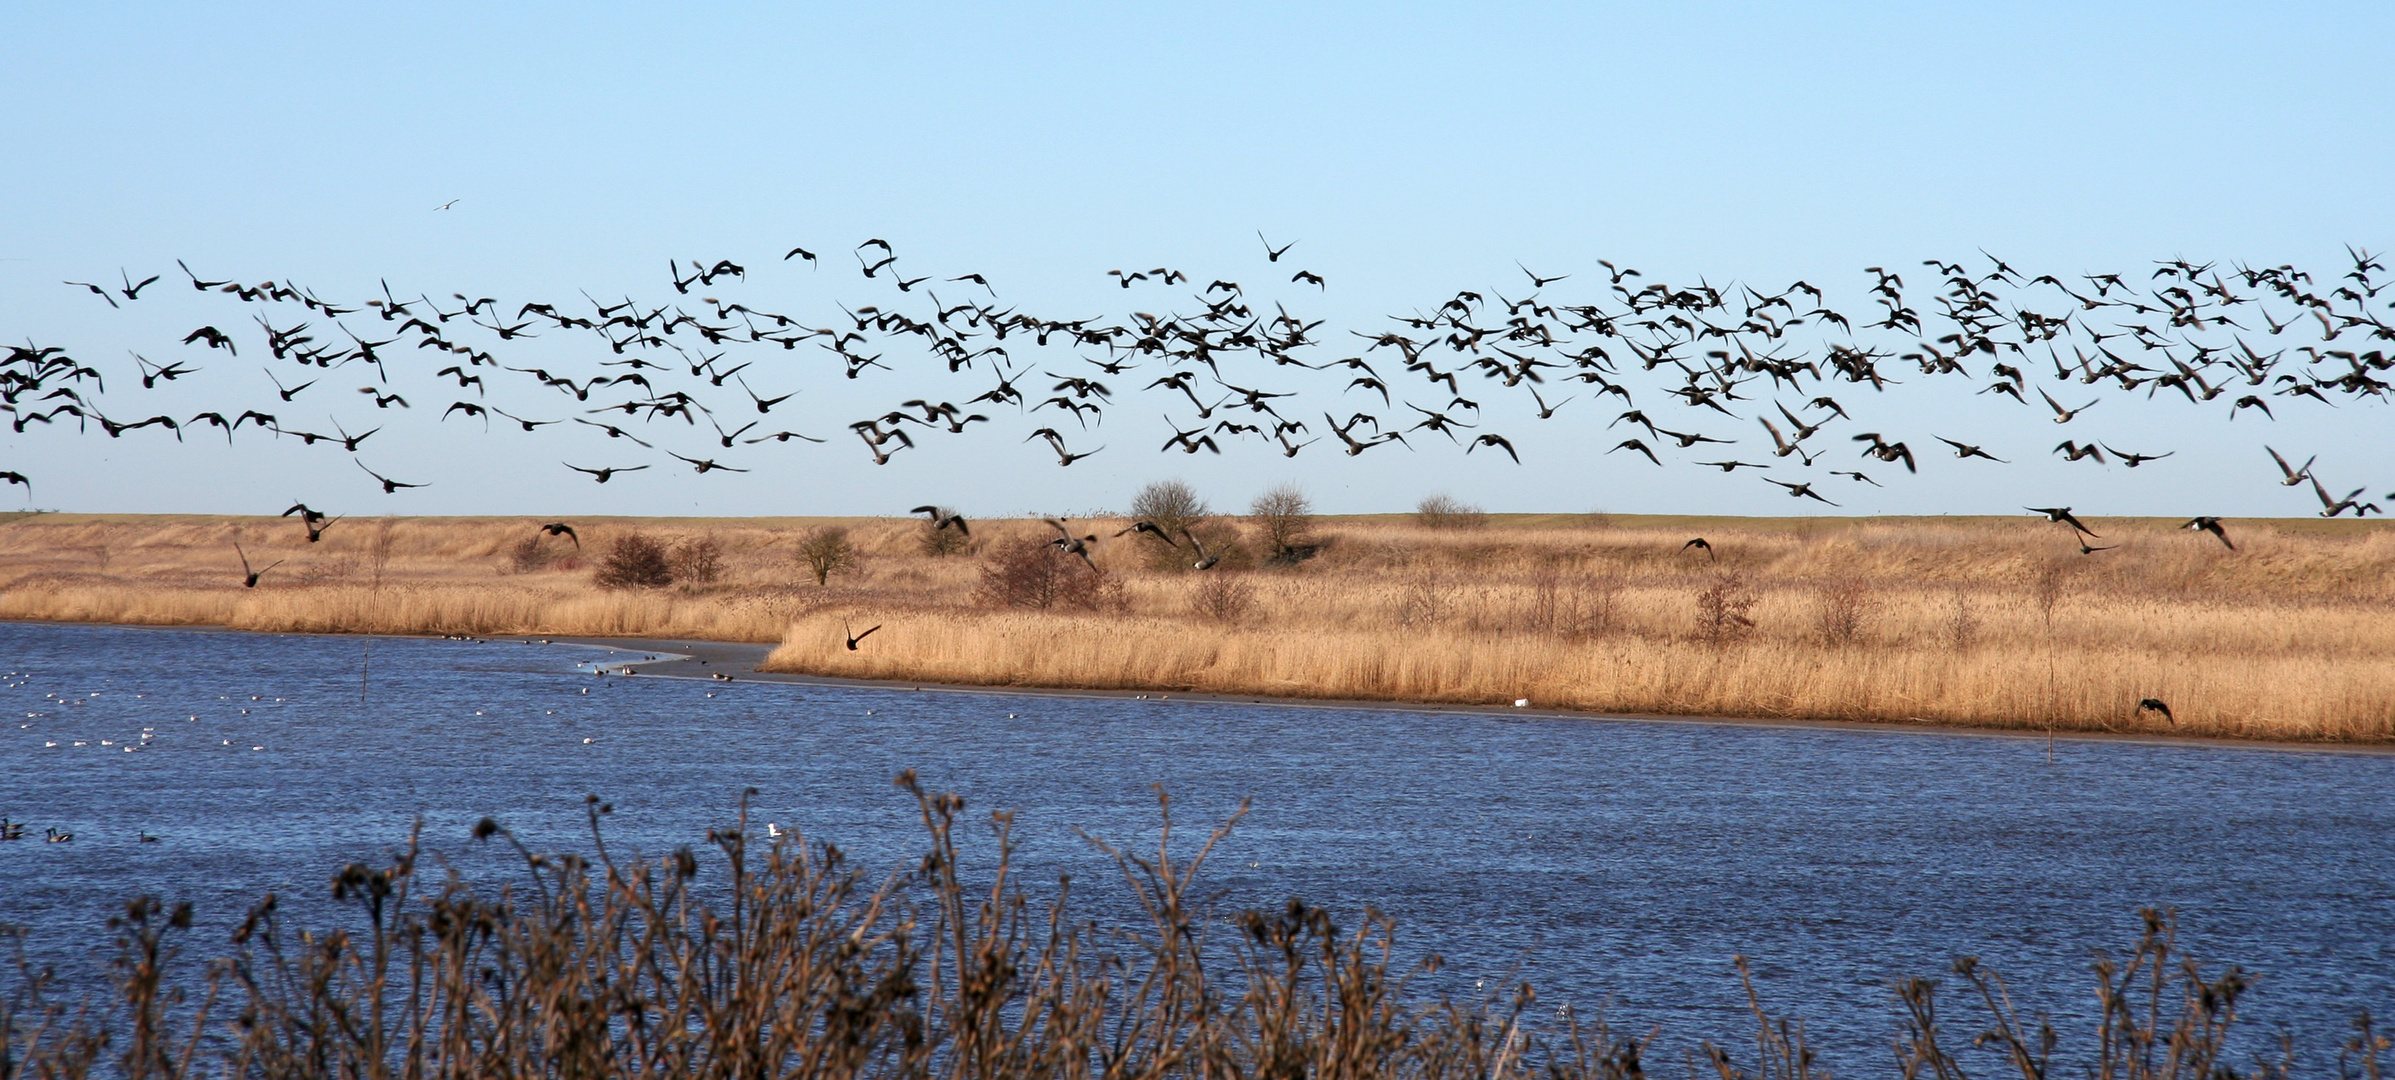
point(1287, 518)
point(826, 551)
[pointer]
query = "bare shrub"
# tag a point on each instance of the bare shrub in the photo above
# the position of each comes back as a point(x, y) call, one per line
point(2046, 590)
point(826, 551)
point(1033, 574)
point(1447, 512)
point(697, 560)
point(378, 550)
point(1571, 607)
point(528, 555)
point(1223, 598)
point(1961, 624)
point(325, 571)
point(1722, 608)
point(1423, 603)
point(634, 561)
point(1841, 607)
point(1286, 517)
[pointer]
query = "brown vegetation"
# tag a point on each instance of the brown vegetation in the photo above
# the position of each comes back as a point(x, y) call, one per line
point(780, 959)
point(1987, 622)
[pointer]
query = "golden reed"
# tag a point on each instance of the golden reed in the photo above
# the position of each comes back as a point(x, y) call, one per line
point(1966, 621)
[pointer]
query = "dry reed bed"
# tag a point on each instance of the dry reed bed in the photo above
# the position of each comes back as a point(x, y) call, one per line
point(780, 959)
point(1983, 622)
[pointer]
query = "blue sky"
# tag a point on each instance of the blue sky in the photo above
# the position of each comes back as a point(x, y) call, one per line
point(1409, 151)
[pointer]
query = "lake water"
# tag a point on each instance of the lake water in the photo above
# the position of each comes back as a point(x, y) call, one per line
point(1599, 859)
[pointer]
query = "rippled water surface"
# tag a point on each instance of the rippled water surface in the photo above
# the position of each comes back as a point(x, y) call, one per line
point(1596, 858)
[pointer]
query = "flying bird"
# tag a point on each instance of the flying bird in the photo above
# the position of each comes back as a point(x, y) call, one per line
point(249, 577)
point(559, 528)
point(1497, 441)
point(1634, 444)
point(603, 475)
point(2210, 525)
point(941, 519)
point(1966, 450)
point(1800, 491)
point(854, 638)
point(390, 486)
point(2062, 514)
point(2293, 476)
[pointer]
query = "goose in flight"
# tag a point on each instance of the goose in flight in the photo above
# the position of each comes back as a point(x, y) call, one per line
point(2292, 476)
point(1205, 560)
point(1073, 545)
point(2062, 515)
point(2210, 525)
point(941, 519)
point(1800, 491)
point(249, 577)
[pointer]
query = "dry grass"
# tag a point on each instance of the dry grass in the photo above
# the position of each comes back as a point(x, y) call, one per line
point(778, 958)
point(1985, 622)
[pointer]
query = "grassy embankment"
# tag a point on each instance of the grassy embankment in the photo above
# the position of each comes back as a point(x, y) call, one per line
point(1992, 622)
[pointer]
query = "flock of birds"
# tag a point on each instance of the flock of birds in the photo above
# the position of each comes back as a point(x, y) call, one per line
point(695, 380)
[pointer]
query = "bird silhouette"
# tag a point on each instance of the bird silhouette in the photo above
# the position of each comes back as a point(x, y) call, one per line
point(390, 486)
point(2062, 515)
point(1800, 491)
point(1073, 545)
point(1205, 559)
point(942, 519)
point(249, 577)
point(855, 638)
point(559, 528)
point(603, 475)
point(2210, 525)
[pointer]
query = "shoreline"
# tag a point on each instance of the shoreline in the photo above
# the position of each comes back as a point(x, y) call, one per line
point(696, 659)
point(2285, 640)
